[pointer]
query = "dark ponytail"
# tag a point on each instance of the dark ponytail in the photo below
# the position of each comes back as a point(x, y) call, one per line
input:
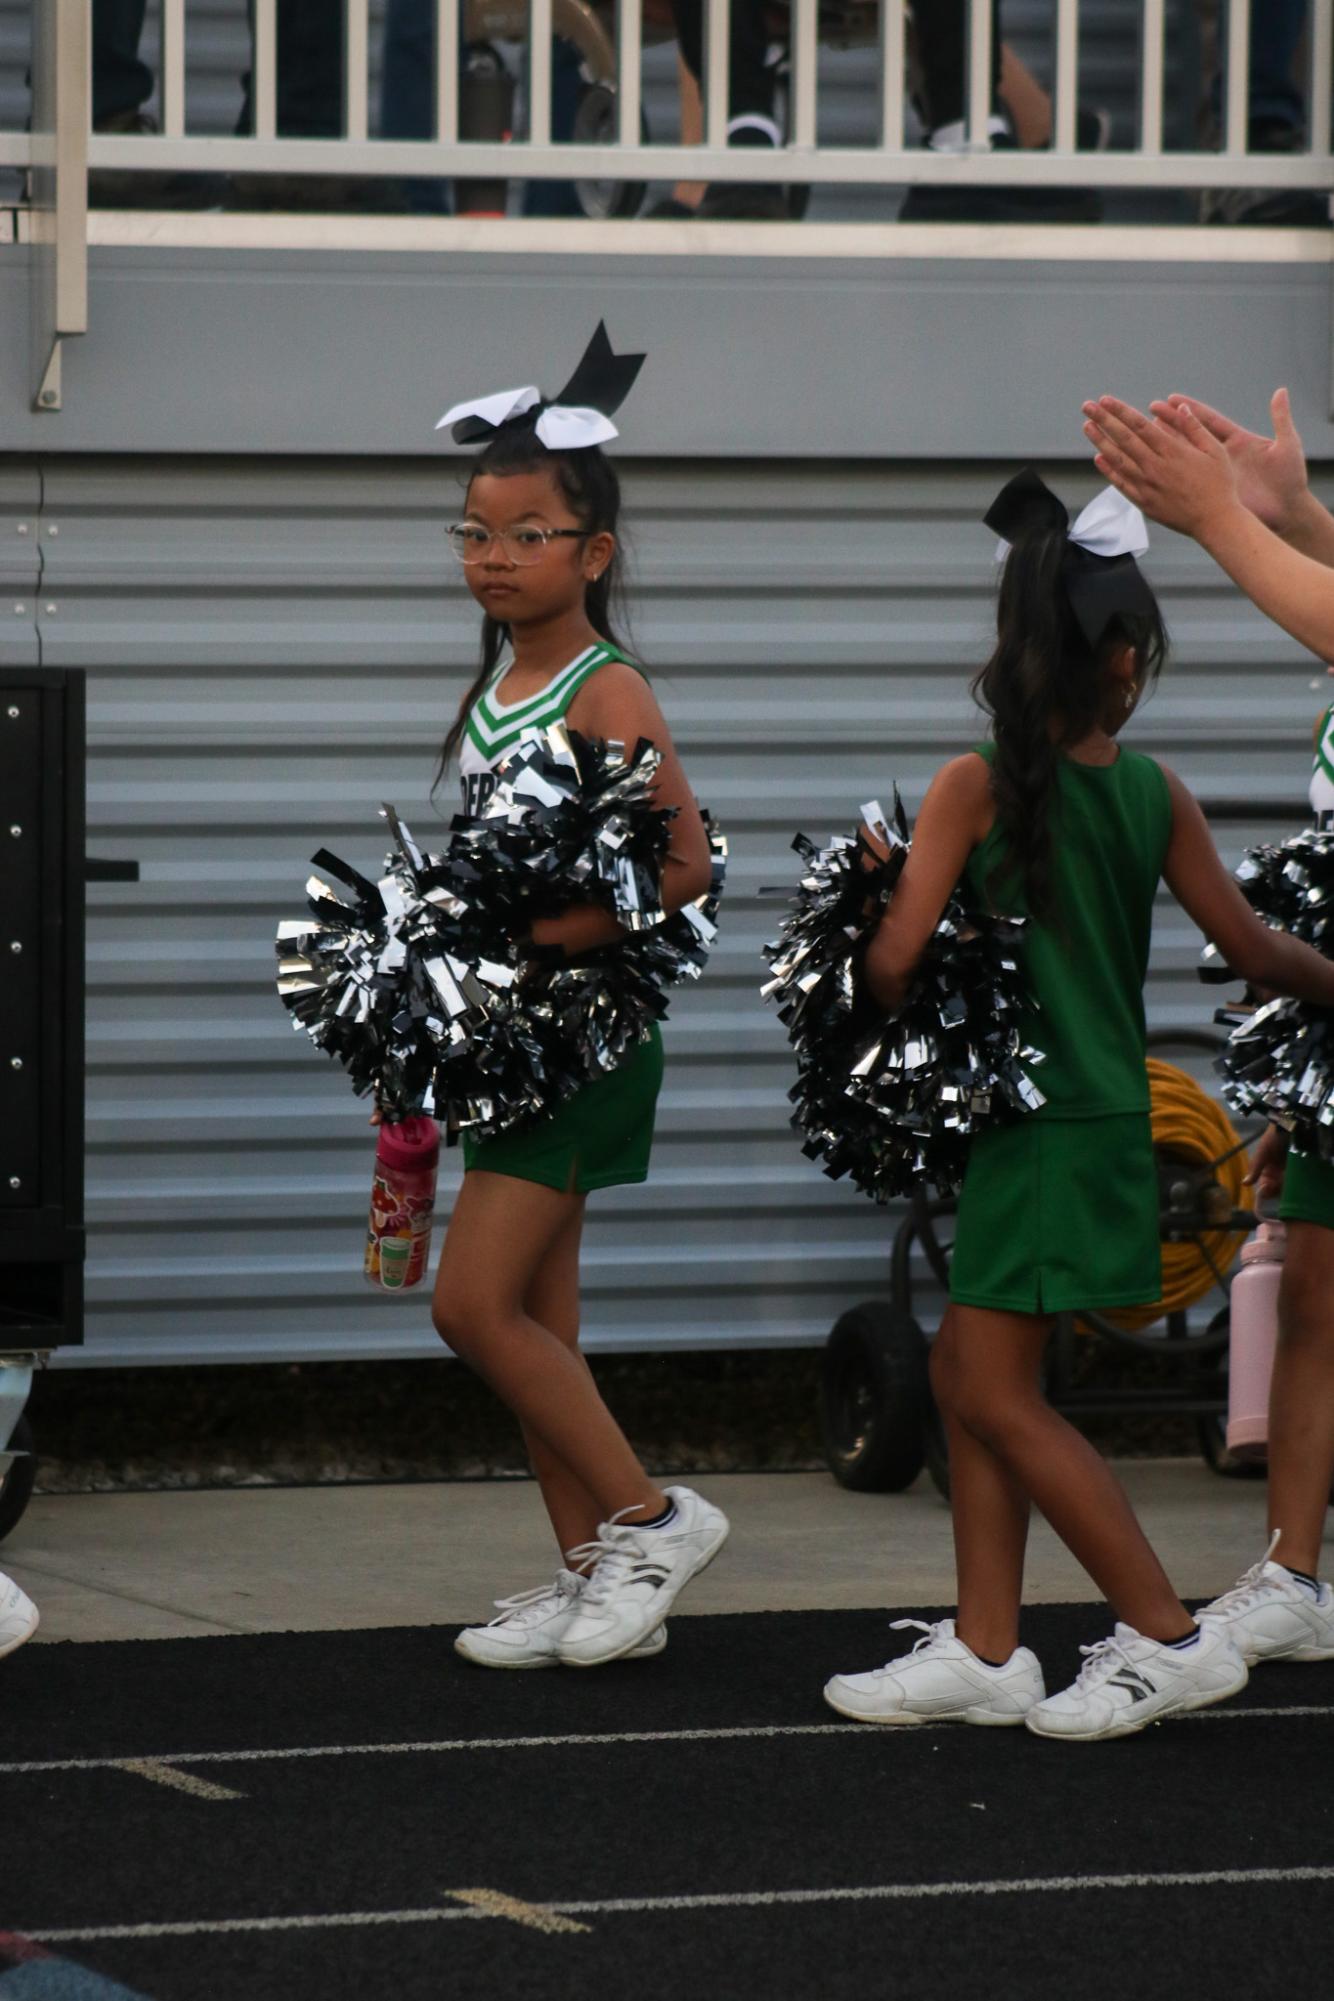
point(1045, 688)
point(588, 482)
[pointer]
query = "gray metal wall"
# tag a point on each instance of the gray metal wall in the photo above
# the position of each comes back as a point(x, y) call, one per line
point(273, 648)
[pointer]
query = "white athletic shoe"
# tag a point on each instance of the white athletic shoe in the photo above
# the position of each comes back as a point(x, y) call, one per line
point(635, 1575)
point(1269, 1616)
point(940, 1681)
point(1129, 1681)
point(18, 1616)
point(525, 1630)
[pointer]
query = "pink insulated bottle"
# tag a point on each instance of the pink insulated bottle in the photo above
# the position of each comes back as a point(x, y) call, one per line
point(1254, 1337)
point(398, 1239)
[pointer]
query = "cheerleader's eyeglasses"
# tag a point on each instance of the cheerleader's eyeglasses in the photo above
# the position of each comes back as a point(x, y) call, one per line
point(521, 546)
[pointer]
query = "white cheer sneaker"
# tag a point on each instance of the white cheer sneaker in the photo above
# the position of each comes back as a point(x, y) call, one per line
point(526, 1627)
point(1129, 1681)
point(18, 1616)
point(635, 1574)
point(1269, 1616)
point(940, 1681)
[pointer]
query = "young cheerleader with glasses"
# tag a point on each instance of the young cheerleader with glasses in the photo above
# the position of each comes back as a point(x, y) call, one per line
point(538, 546)
point(1247, 498)
point(1055, 820)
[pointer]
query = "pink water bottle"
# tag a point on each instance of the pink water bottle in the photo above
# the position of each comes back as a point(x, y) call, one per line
point(1253, 1339)
point(398, 1238)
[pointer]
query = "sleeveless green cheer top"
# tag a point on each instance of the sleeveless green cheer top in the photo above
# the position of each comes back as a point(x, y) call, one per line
point(494, 727)
point(1086, 969)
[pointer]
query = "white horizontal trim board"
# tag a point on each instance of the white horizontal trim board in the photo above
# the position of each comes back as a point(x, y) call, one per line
point(1101, 243)
point(275, 647)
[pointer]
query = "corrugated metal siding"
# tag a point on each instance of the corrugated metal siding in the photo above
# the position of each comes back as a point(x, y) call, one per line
point(273, 649)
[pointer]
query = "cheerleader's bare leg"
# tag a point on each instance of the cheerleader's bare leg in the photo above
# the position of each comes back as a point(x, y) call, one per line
point(1301, 1403)
point(500, 1236)
point(989, 1382)
point(990, 1510)
point(552, 1301)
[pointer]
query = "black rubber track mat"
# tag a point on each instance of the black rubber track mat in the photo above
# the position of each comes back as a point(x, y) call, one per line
point(699, 1827)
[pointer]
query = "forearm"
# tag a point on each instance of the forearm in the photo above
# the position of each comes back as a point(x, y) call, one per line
point(1310, 530)
point(1285, 965)
point(586, 926)
point(1295, 590)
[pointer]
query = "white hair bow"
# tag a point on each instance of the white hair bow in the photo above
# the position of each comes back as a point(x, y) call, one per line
point(576, 418)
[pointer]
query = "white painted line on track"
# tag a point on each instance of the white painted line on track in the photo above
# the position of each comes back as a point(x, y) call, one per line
point(722, 1900)
point(425, 1747)
point(182, 1782)
point(536, 1917)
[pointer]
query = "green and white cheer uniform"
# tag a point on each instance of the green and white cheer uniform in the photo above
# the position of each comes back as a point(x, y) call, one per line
point(603, 1135)
point(1308, 1183)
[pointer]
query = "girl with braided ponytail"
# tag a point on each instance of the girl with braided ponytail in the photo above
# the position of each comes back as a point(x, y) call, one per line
point(538, 544)
point(1055, 820)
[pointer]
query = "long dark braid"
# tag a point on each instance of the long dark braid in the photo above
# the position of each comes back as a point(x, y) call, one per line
point(1045, 688)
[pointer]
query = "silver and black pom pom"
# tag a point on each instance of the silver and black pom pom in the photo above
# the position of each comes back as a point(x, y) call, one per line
point(1278, 1062)
point(893, 1100)
point(421, 985)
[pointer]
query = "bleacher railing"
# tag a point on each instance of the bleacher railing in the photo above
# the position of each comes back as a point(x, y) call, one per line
point(621, 26)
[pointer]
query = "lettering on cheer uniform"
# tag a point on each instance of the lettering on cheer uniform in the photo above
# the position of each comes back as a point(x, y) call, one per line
point(478, 787)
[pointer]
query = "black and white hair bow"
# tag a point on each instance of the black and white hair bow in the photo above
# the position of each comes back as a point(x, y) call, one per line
point(1102, 578)
point(578, 417)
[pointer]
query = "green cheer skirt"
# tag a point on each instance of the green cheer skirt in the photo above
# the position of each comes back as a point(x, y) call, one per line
point(1059, 1214)
point(599, 1138)
point(1308, 1191)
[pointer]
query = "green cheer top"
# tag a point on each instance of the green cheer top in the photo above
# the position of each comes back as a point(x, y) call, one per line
point(1086, 966)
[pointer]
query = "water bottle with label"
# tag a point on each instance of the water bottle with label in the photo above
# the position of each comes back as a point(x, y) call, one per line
point(398, 1237)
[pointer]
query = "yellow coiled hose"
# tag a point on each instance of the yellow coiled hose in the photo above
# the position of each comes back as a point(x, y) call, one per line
point(1189, 1125)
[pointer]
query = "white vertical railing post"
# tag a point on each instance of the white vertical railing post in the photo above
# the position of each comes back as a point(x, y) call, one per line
point(717, 72)
point(61, 117)
point(806, 63)
point(173, 69)
point(539, 72)
point(979, 73)
point(629, 68)
point(1322, 73)
point(892, 27)
point(1237, 115)
point(264, 75)
point(1153, 46)
point(447, 72)
point(356, 58)
point(1067, 76)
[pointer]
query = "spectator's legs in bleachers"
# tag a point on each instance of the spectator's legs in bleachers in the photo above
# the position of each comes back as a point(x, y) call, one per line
point(751, 120)
point(407, 93)
point(942, 55)
point(122, 85)
point(1276, 122)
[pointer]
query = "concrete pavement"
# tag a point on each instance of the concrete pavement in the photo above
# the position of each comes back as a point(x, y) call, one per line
point(257, 1560)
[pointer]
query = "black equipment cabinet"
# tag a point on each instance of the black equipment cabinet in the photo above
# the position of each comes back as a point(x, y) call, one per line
point(42, 758)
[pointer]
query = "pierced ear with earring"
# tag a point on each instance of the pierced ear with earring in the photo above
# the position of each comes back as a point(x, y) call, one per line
point(1131, 693)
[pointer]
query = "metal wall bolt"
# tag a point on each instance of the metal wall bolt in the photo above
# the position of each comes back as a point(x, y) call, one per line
point(13, 711)
point(19, 610)
point(48, 399)
point(51, 611)
point(15, 945)
point(16, 832)
point(14, 1181)
point(53, 529)
point(16, 1062)
point(23, 527)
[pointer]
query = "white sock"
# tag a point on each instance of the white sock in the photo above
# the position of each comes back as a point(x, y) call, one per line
point(954, 138)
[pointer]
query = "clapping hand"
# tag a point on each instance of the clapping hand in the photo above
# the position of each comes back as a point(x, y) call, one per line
point(1270, 472)
point(1169, 464)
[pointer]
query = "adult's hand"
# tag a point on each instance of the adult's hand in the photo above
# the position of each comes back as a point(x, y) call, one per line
point(1178, 472)
point(1270, 472)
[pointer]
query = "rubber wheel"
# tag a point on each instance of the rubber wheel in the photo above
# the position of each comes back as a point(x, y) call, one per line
point(873, 1398)
point(17, 1484)
point(595, 125)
